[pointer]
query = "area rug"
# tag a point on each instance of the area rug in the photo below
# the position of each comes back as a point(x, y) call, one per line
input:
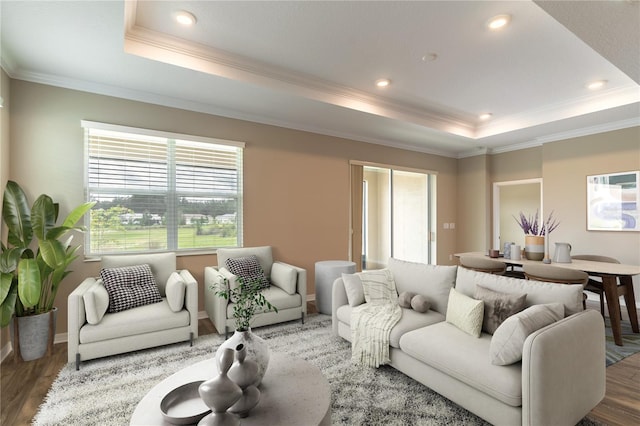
point(630, 340)
point(106, 391)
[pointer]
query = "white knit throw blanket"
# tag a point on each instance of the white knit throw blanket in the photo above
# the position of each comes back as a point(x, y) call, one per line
point(371, 322)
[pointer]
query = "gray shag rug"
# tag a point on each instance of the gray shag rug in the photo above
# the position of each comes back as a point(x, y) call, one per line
point(106, 391)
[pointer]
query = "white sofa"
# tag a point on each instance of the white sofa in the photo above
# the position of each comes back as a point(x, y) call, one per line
point(142, 327)
point(291, 304)
point(562, 373)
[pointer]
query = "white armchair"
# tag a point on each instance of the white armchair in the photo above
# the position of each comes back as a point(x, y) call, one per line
point(95, 333)
point(288, 290)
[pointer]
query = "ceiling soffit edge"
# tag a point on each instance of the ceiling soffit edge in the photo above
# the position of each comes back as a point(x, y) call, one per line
point(161, 47)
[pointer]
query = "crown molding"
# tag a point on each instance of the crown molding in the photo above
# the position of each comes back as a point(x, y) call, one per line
point(574, 133)
point(516, 147)
point(590, 103)
point(140, 96)
point(480, 150)
point(8, 64)
point(591, 130)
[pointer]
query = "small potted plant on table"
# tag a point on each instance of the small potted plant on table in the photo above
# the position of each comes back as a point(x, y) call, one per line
point(534, 234)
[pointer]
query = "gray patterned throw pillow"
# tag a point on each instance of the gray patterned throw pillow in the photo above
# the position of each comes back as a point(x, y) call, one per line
point(129, 287)
point(498, 307)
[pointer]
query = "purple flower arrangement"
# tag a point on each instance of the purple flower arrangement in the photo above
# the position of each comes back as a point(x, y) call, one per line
point(530, 224)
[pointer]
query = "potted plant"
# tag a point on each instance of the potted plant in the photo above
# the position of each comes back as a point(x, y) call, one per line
point(534, 234)
point(246, 298)
point(32, 265)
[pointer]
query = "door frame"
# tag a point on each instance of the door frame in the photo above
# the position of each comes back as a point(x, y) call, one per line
point(496, 204)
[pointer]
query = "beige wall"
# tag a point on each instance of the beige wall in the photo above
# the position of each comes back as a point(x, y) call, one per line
point(4, 159)
point(473, 205)
point(566, 165)
point(296, 183)
point(517, 165)
point(563, 167)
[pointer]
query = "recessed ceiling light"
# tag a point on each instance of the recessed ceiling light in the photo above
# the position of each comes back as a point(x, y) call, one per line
point(383, 82)
point(485, 116)
point(498, 22)
point(185, 18)
point(595, 85)
point(429, 57)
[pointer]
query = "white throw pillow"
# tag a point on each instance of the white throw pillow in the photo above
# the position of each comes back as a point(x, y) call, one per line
point(353, 287)
point(96, 302)
point(508, 340)
point(284, 277)
point(175, 290)
point(465, 313)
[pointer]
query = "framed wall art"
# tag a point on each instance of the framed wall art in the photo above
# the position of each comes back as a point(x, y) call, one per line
point(613, 202)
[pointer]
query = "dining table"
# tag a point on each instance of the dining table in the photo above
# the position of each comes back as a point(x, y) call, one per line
point(610, 273)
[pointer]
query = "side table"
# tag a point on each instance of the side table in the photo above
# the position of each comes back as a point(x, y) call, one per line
point(327, 271)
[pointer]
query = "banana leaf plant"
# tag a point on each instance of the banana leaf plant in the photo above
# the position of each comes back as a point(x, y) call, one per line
point(35, 260)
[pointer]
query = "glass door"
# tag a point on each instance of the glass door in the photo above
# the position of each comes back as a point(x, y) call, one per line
point(397, 216)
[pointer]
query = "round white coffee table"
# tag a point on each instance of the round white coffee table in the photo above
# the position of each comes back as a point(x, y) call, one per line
point(293, 392)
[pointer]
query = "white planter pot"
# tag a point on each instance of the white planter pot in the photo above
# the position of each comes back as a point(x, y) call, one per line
point(257, 350)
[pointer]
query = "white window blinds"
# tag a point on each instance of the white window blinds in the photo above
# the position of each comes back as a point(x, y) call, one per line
point(158, 191)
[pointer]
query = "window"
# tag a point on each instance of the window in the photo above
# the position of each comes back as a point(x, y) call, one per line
point(158, 191)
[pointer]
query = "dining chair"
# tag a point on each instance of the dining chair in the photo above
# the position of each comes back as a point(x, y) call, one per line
point(555, 274)
point(595, 285)
point(483, 265)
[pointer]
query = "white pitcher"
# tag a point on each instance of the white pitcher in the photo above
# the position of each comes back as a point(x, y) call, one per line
point(562, 253)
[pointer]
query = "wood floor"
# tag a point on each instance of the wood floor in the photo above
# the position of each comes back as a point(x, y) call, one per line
point(23, 386)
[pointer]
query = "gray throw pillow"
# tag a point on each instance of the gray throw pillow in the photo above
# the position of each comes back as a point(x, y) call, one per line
point(498, 307)
point(419, 303)
point(507, 342)
point(404, 299)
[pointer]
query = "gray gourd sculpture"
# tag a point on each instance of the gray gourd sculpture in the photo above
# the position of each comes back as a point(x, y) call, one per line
point(220, 393)
point(244, 372)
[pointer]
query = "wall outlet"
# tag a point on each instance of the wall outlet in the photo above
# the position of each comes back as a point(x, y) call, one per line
point(452, 226)
point(450, 257)
point(445, 226)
